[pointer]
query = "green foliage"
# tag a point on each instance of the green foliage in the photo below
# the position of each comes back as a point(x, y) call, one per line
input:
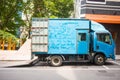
point(10, 12)
point(28, 11)
point(53, 8)
point(5, 36)
point(10, 19)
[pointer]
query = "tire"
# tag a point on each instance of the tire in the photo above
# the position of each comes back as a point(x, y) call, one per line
point(56, 61)
point(99, 59)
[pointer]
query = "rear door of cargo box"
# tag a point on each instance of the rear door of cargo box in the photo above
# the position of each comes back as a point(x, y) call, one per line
point(39, 36)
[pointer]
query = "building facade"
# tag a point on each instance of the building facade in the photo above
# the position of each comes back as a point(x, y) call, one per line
point(106, 12)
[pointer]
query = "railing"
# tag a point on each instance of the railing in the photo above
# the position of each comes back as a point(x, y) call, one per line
point(7, 45)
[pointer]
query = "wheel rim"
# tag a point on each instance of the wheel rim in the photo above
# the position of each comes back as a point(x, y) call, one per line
point(56, 61)
point(100, 59)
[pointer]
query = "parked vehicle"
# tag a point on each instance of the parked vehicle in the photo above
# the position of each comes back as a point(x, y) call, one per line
point(71, 40)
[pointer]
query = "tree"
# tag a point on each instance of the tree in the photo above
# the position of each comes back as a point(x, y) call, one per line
point(53, 8)
point(46, 9)
point(10, 12)
point(10, 18)
point(28, 12)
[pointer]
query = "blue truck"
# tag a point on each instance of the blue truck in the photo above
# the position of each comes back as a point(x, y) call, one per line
point(71, 40)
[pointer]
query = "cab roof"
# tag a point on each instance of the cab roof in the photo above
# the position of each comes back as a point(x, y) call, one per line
point(97, 27)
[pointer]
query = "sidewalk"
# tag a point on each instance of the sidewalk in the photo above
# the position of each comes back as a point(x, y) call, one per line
point(117, 57)
point(4, 64)
point(16, 57)
point(12, 63)
point(24, 53)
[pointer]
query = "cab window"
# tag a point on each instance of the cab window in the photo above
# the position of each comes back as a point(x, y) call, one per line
point(82, 37)
point(103, 37)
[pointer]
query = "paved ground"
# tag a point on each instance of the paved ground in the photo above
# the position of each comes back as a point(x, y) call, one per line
point(110, 65)
point(4, 64)
point(69, 71)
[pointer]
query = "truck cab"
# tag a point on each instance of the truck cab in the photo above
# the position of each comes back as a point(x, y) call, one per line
point(103, 43)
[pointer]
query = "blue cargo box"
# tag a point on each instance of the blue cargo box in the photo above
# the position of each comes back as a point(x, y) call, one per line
point(56, 36)
point(62, 35)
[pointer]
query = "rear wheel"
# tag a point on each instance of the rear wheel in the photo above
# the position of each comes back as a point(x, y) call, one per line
point(99, 59)
point(56, 61)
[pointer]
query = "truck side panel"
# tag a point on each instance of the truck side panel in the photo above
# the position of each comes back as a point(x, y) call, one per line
point(62, 38)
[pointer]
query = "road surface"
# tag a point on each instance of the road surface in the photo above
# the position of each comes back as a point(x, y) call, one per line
point(69, 71)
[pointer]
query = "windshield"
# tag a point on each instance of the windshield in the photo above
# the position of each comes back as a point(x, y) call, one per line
point(104, 37)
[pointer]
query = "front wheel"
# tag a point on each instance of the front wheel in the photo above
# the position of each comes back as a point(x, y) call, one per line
point(56, 61)
point(99, 59)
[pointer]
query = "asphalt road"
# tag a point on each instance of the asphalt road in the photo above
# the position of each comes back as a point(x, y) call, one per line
point(69, 71)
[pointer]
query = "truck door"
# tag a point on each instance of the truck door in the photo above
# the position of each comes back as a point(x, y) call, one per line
point(82, 42)
point(105, 44)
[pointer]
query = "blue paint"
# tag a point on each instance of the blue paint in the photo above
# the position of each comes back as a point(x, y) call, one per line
point(83, 44)
point(62, 35)
point(107, 49)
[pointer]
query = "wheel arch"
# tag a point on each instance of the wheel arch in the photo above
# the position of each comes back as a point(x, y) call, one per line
point(99, 53)
point(63, 58)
